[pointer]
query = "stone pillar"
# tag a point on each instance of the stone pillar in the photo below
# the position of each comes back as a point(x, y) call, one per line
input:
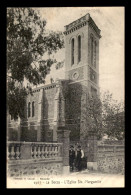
point(19, 132)
point(23, 128)
point(26, 151)
point(39, 120)
point(55, 133)
point(8, 117)
point(92, 151)
point(59, 110)
point(39, 130)
point(63, 137)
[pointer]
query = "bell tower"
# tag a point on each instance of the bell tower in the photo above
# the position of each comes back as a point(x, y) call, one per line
point(81, 66)
point(82, 52)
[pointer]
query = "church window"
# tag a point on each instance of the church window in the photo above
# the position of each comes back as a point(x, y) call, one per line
point(33, 109)
point(29, 109)
point(91, 50)
point(93, 91)
point(93, 75)
point(95, 45)
point(79, 48)
point(72, 51)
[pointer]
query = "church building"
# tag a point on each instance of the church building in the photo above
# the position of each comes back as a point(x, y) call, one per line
point(61, 104)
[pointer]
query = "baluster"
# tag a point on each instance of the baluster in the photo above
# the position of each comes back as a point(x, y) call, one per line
point(8, 152)
point(39, 152)
point(46, 151)
point(32, 151)
point(12, 152)
point(60, 150)
point(35, 152)
point(53, 150)
point(57, 151)
point(42, 151)
point(49, 151)
point(17, 151)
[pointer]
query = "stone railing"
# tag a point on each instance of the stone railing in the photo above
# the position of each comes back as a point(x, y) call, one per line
point(113, 149)
point(76, 22)
point(33, 150)
point(110, 158)
point(39, 158)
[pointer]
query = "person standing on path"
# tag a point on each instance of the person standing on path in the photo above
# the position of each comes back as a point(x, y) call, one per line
point(71, 158)
point(79, 157)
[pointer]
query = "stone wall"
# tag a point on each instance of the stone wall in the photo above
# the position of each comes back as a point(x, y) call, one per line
point(39, 158)
point(111, 142)
point(44, 112)
point(34, 158)
point(35, 167)
point(110, 158)
point(73, 110)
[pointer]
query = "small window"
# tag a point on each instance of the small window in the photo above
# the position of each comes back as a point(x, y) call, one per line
point(72, 51)
point(33, 109)
point(79, 48)
point(29, 109)
point(93, 92)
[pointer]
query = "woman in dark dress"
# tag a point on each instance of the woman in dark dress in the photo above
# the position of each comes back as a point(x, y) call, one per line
point(71, 158)
point(79, 157)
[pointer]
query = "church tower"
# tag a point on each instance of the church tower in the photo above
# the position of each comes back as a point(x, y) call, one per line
point(82, 67)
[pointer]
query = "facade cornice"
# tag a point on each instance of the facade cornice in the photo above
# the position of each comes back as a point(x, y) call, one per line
point(49, 86)
point(85, 20)
point(93, 68)
point(96, 85)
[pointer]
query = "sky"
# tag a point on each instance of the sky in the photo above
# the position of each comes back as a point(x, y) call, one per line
point(110, 21)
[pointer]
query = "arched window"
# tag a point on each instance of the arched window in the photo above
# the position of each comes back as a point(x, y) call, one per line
point(33, 109)
point(29, 109)
point(93, 92)
point(72, 51)
point(91, 50)
point(79, 48)
point(95, 45)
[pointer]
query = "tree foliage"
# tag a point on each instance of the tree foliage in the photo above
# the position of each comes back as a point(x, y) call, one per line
point(113, 117)
point(94, 114)
point(105, 116)
point(29, 49)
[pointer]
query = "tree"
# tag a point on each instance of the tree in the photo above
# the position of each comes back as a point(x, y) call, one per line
point(104, 116)
point(113, 117)
point(29, 49)
point(93, 115)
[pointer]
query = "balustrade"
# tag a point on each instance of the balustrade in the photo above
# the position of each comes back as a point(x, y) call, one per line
point(45, 150)
point(37, 150)
point(110, 148)
point(14, 151)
